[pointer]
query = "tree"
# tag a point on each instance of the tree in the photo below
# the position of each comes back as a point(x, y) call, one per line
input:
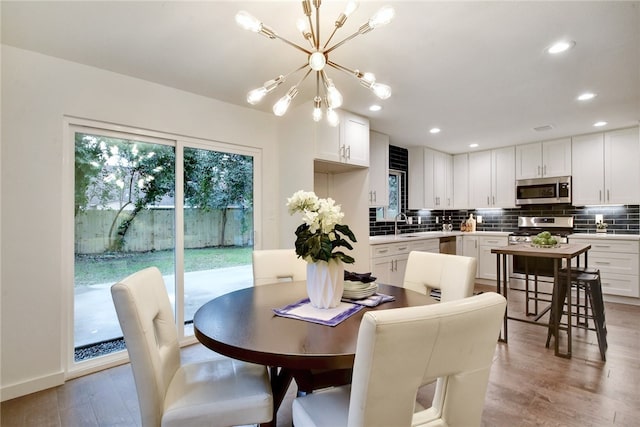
point(216, 180)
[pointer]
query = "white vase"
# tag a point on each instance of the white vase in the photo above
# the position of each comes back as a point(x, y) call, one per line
point(325, 283)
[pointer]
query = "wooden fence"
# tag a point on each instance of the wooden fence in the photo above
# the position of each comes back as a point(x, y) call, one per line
point(154, 229)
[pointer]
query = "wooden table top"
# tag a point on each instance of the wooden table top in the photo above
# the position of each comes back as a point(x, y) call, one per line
point(242, 325)
point(565, 250)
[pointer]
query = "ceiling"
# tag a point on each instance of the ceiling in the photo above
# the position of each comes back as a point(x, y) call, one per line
point(477, 70)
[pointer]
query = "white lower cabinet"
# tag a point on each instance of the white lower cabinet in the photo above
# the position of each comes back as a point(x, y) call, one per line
point(487, 260)
point(470, 248)
point(389, 261)
point(618, 262)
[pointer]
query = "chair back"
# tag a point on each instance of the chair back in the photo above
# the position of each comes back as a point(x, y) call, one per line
point(277, 265)
point(149, 329)
point(454, 275)
point(398, 350)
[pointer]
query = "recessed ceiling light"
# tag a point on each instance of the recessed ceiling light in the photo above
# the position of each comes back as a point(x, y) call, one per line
point(586, 96)
point(434, 130)
point(561, 46)
point(375, 107)
point(599, 124)
point(474, 145)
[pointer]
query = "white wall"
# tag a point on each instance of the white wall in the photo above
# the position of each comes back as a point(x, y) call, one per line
point(37, 92)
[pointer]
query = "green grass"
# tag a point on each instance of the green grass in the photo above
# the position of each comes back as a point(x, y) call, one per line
point(111, 267)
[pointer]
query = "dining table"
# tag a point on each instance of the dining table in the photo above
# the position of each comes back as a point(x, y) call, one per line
point(243, 325)
point(563, 256)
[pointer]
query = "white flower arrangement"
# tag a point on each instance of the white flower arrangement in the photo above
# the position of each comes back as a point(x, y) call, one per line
point(322, 230)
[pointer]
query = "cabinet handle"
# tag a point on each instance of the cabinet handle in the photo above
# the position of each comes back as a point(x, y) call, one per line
point(544, 170)
point(375, 196)
point(599, 195)
point(608, 198)
point(602, 262)
point(487, 200)
point(538, 170)
point(494, 200)
point(383, 251)
point(602, 246)
point(349, 152)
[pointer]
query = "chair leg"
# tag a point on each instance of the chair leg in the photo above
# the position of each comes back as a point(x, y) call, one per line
point(597, 308)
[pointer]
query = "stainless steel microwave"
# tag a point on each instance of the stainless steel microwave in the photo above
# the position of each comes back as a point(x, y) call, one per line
point(540, 191)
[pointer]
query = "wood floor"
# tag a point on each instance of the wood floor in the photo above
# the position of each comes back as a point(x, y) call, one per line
point(528, 386)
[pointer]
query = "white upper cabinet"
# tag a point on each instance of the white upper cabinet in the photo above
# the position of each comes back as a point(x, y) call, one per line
point(430, 179)
point(605, 168)
point(461, 181)
point(492, 178)
point(346, 143)
point(379, 169)
point(544, 159)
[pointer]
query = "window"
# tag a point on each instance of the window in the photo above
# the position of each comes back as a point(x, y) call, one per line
point(396, 185)
point(186, 207)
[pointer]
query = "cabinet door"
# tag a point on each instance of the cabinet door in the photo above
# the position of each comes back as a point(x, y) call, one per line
point(529, 161)
point(587, 167)
point(354, 139)
point(487, 260)
point(381, 268)
point(622, 173)
point(327, 142)
point(428, 185)
point(556, 157)
point(470, 248)
point(416, 178)
point(379, 169)
point(480, 179)
point(460, 178)
point(503, 179)
point(442, 180)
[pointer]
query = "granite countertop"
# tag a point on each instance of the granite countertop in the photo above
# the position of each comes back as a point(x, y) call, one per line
point(407, 237)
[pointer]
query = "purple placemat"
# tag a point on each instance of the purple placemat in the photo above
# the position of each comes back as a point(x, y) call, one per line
point(303, 310)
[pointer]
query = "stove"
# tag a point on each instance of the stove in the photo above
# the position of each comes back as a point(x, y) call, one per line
point(529, 226)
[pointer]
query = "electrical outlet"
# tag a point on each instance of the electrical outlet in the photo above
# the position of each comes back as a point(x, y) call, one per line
point(599, 218)
point(419, 220)
point(479, 219)
point(437, 220)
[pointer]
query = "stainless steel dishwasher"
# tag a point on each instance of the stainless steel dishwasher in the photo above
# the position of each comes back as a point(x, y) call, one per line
point(448, 245)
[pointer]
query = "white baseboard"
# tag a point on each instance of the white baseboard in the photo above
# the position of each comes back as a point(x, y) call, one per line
point(27, 387)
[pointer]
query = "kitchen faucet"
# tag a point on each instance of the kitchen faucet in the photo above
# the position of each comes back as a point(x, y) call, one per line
point(400, 215)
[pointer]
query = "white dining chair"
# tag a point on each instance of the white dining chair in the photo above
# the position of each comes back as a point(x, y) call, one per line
point(453, 275)
point(277, 265)
point(400, 349)
point(219, 392)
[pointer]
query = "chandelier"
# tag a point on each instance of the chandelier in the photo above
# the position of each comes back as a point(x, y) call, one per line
point(317, 55)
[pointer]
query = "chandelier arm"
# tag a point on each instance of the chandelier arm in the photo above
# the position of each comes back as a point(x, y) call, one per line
point(290, 43)
point(317, 4)
point(330, 37)
point(337, 45)
point(303, 77)
point(314, 39)
point(349, 71)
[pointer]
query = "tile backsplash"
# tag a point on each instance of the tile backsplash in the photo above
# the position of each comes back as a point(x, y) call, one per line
point(620, 219)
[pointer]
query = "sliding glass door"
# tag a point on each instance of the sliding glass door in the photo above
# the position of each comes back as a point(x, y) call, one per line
point(139, 201)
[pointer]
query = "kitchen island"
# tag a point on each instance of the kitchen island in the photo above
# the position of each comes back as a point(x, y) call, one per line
point(561, 288)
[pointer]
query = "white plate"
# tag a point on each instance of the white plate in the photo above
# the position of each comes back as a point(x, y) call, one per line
point(371, 289)
point(353, 285)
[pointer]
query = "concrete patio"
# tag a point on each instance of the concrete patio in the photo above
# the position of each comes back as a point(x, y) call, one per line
point(95, 316)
